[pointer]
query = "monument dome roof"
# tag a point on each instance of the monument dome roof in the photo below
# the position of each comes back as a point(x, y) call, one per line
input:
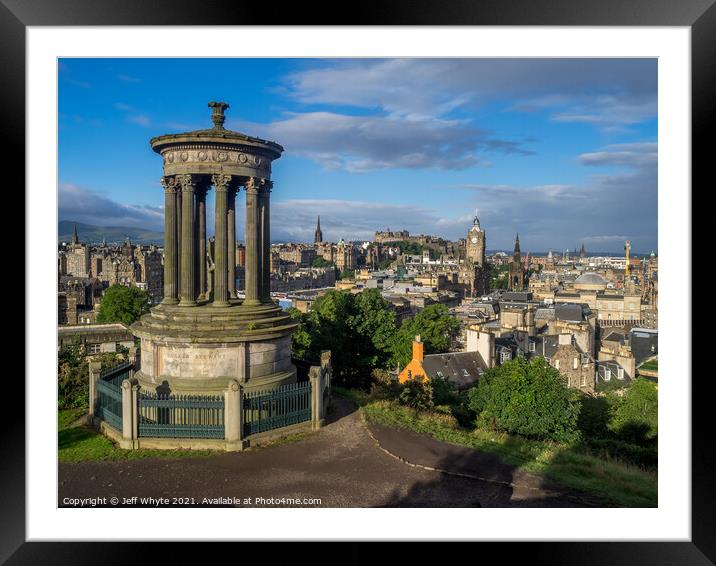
point(590, 278)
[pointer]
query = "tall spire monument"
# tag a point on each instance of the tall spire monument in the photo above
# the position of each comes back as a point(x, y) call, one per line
point(318, 236)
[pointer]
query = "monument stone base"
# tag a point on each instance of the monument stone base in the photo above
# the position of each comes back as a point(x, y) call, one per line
point(200, 350)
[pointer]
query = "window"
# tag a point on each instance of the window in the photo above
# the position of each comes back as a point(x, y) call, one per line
point(620, 373)
point(556, 364)
point(94, 348)
point(583, 380)
point(575, 362)
point(531, 346)
point(607, 374)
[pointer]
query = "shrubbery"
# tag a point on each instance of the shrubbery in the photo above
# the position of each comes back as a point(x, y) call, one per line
point(625, 425)
point(529, 398)
point(416, 393)
point(73, 374)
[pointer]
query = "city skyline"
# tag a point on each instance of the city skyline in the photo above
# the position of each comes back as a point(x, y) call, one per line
point(562, 151)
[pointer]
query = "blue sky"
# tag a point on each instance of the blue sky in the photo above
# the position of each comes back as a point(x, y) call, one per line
point(562, 150)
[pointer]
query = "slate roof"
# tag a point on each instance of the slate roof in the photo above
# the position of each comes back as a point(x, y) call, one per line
point(568, 311)
point(641, 342)
point(462, 369)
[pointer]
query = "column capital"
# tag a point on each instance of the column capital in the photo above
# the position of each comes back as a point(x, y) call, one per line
point(222, 182)
point(170, 184)
point(256, 184)
point(188, 182)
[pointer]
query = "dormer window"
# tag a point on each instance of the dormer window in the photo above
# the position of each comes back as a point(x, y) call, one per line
point(607, 374)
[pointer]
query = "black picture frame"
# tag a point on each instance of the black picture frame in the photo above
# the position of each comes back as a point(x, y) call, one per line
point(699, 15)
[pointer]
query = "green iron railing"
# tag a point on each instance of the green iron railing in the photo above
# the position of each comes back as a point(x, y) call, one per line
point(109, 403)
point(267, 410)
point(180, 416)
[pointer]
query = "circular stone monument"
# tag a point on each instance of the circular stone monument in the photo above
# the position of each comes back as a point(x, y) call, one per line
point(203, 336)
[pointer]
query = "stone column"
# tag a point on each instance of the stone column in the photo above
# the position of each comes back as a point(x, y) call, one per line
point(231, 245)
point(222, 184)
point(265, 242)
point(201, 207)
point(178, 236)
point(252, 271)
point(171, 288)
point(188, 259)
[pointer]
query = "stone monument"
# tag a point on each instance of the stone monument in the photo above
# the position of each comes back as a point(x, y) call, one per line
point(198, 339)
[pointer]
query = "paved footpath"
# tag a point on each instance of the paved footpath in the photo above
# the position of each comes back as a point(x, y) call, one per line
point(345, 464)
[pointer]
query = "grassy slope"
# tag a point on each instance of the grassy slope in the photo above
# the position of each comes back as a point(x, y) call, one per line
point(82, 443)
point(613, 482)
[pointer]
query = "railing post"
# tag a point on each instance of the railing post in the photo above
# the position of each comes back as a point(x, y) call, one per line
point(94, 371)
point(127, 425)
point(316, 397)
point(233, 416)
point(135, 413)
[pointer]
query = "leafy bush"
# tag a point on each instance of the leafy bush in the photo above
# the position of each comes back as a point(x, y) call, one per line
point(384, 386)
point(636, 413)
point(443, 392)
point(529, 398)
point(417, 394)
point(73, 374)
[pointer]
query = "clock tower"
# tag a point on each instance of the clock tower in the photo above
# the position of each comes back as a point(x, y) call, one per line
point(475, 245)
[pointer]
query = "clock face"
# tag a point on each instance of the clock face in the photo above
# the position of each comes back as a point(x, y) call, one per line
point(474, 239)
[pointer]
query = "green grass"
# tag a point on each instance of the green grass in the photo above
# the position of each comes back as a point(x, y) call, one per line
point(78, 443)
point(612, 482)
point(650, 365)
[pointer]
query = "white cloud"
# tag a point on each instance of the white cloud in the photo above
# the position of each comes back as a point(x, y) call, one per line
point(365, 143)
point(92, 207)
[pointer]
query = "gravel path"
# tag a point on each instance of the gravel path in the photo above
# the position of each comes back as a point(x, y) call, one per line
point(345, 464)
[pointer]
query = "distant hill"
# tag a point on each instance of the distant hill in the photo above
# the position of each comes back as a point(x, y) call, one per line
point(95, 234)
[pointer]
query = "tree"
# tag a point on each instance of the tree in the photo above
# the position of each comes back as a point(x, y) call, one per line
point(498, 276)
point(384, 263)
point(636, 413)
point(437, 329)
point(375, 324)
point(358, 329)
point(123, 304)
point(322, 262)
point(529, 398)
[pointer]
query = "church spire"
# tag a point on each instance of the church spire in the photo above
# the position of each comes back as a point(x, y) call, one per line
point(318, 235)
point(517, 245)
point(75, 238)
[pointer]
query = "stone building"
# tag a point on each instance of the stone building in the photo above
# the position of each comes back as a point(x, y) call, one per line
point(77, 257)
point(345, 256)
point(96, 338)
point(474, 274)
point(300, 254)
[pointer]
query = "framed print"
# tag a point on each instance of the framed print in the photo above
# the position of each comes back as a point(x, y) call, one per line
point(389, 279)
